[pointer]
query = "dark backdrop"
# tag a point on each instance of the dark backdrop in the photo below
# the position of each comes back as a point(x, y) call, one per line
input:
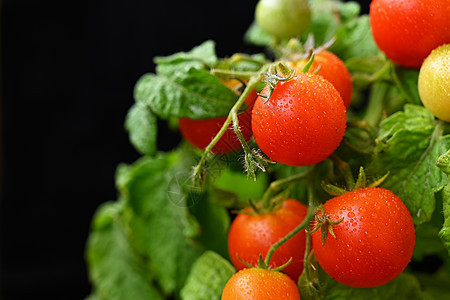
point(67, 73)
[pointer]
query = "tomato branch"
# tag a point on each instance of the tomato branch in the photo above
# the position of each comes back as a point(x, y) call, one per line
point(232, 74)
point(278, 185)
point(312, 209)
point(252, 159)
point(374, 111)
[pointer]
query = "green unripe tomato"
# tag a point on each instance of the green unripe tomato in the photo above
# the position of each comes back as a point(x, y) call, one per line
point(434, 82)
point(283, 18)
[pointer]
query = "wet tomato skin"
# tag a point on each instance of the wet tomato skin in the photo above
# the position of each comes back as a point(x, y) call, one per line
point(302, 123)
point(407, 30)
point(333, 69)
point(257, 284)
point(374, 243)
point(251, 235)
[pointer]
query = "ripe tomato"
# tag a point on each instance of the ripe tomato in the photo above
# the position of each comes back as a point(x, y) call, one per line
point(374, 243)
point(199, 133)
point(283, 18)
point(252, 235)
point(302, 123)
point(407, 30)
point(434, 82)
point(257, 284)
point(332, 68)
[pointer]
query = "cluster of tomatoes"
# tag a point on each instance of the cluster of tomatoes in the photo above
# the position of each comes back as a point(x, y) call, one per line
point(301, 122)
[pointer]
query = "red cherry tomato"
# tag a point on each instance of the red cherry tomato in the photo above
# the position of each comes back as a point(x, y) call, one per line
point(374, 243)
point(333, 69)
point(258, 284)
point(251, 235)
point(407, 30)
point(302, 123)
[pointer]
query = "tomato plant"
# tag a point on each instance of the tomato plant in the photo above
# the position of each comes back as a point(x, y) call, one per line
point(374, 242)
point(333, 69)
point(302, 123)
point(434, 82)
point(252, 234)
point(256, 283)
point(406, 31)
point(283, 18)
point(187, 222)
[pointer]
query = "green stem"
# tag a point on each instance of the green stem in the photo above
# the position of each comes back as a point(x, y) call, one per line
point(276, 186)
point(232, 74)
point(306, 257)
point(374, 110)
point(232, 116)
point(312, 208)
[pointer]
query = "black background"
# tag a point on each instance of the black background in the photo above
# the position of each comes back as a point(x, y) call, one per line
point(68, 71)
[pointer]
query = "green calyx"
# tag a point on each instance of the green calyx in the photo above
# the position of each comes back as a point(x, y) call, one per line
point(264, 265)
point(350, 182)
point(277, 72)
point(325, 224)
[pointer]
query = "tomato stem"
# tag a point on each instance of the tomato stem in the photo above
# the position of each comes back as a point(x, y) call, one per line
point(306, 257)
point(312, 208)
point(232, 74)
point(374, 110)
point(278, 185)
point(252, 159)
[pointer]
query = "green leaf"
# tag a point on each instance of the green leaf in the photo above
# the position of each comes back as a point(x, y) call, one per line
point(367, 69)
point(427, 242)
point(444, 164)
point(93, 296)
point(437, 284)
point(349, 10)
point(189, 93)
point(404, 287)
point(161, 225)
point(324, 20)
point(142, 128)
point(365, 64)
point(214, 222)
point(354, 39)
point(207, 278)
point(200, 57)
point(114, 270)
point(408, 145)
point(406, 80)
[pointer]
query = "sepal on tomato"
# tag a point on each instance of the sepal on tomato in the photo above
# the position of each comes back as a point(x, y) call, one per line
point(351, 184)
point(272, 77)
point(264, 265)
point(325, 224)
